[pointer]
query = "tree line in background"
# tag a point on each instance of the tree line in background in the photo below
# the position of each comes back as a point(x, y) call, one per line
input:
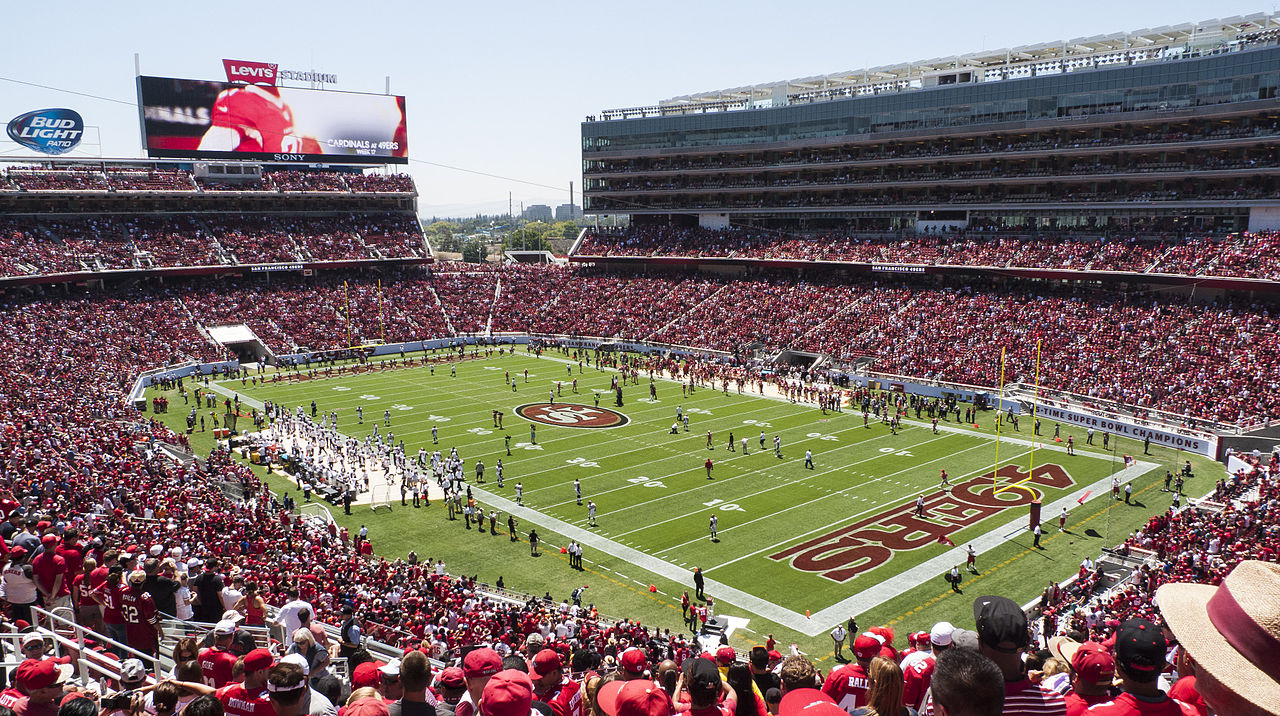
point(476, 238)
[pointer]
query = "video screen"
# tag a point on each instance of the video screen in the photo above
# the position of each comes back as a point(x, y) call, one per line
point(221, 120)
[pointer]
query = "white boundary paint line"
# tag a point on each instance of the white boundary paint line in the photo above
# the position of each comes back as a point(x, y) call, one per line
point(821, 621)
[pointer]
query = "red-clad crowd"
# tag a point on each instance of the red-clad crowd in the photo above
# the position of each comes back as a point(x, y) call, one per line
point(1245, 255)
point(84, 481)
point(131, 178)
point(30, 246)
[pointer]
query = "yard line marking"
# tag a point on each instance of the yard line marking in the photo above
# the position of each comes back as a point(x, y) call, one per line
point(719, 482)
point(856, 515)
point(775, 513)
point(767, 489)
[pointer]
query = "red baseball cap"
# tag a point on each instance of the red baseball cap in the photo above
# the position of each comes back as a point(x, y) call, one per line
point(866, 646)
point(607, 696)
point(633, 660)
point(508, 693)
point(810, 702)
point(258, 659)
point(641, 697)
point(365, 674)
point(545, 662)
point(725, 655)
point(452, 678)
point(1094, 663)
point(481, 662)
point(35, 674)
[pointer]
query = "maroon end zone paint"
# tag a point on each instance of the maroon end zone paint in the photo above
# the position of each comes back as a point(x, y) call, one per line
point(849, 551)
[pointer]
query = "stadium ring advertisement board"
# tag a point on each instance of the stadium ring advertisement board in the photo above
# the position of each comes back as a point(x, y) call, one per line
point(202, 119)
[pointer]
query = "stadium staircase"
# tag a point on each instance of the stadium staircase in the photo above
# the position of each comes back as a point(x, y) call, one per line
point(443, 313)
point(497, 296)
point(204, 333)
point(690, 310)
point(577, 242)
point(838, 315)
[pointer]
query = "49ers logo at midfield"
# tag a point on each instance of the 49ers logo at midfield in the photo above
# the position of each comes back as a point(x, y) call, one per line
point(568, 415)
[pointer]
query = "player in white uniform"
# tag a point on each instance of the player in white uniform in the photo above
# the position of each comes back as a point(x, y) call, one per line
point(713, 523)
point(591, 513)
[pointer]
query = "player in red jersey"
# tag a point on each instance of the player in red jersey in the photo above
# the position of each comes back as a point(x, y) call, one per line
point(142, 627)
point(254, 118)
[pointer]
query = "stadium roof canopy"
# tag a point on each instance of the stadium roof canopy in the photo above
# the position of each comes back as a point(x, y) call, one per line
point(1083, 53)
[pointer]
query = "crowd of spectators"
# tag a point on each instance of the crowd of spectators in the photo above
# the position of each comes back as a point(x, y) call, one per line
point(30, 246)
point(117, 178)
point(1208, 360)
point(1243, 255)
point(84, 481)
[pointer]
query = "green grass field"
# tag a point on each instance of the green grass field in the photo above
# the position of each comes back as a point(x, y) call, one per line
point(840, 537)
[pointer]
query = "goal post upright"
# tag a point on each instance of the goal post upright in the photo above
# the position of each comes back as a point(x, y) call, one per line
point(1032, 465)
point(995, 475)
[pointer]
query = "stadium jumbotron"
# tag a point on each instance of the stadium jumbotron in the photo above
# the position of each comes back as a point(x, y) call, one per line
point(950, 386)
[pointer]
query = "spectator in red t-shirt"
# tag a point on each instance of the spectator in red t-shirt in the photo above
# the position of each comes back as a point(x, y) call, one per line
point(51, 575)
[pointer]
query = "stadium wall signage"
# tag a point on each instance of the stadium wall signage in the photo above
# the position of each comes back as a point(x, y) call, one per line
point(864, 545)
point(267, 73)
point(568, 415)
point(48, 131)
point(1197, 445)
point(275, 267)
point(898, 268)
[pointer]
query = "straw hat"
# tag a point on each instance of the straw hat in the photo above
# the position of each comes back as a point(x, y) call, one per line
point(1232, 631)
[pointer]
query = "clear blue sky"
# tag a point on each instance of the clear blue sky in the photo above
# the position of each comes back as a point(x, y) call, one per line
point(502, 87)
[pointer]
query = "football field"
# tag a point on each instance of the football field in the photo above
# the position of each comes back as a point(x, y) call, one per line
point(797, 547)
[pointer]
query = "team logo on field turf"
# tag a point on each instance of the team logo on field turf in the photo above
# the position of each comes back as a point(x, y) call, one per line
point(568, 415)
point(864, 545)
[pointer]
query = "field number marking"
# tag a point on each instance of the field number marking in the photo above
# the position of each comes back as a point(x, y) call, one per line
point(643, 481)
point(724, 506)
point(583, 462)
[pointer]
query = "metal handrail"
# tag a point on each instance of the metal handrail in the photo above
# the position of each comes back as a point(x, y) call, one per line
point(109, 668)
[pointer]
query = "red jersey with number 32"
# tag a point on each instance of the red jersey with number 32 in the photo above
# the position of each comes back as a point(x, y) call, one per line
point(139, 613)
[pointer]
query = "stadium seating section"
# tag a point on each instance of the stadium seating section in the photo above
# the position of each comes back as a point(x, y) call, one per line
point(1249, 255)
